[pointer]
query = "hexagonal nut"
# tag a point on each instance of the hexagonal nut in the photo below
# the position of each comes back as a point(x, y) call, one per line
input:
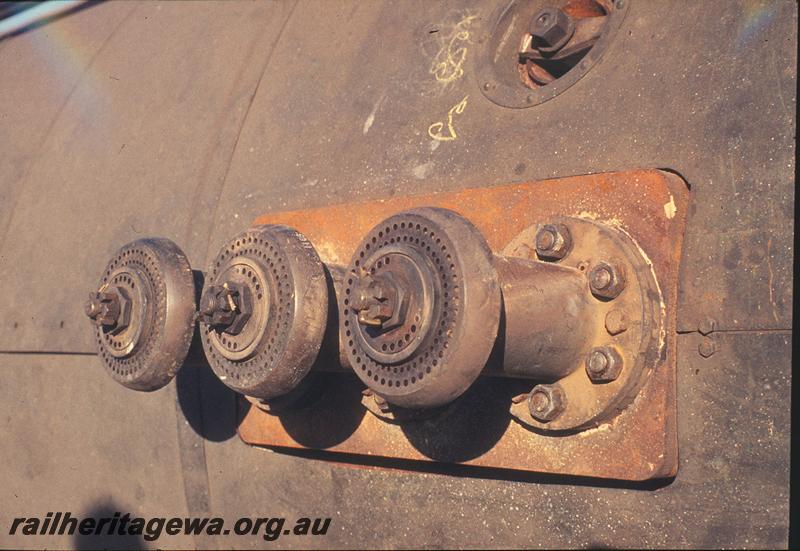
point(707, 326)
point(707, 347)
point(551, 29)
point(214, 306)
point(553, 241)
point(378, 289)
point(606, 280)
point(603, 364)
point(243, 298)
point(103, 307)
point(398, 298)
point(125, 310)
point(546, 402)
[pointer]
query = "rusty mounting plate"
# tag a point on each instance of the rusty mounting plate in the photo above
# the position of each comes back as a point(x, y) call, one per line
point(639, 444)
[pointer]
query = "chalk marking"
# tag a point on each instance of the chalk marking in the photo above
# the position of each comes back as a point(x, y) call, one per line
point(435, 130)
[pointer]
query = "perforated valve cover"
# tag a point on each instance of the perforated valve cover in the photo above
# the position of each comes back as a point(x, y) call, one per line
point(280, 341)
point(451, 311)
point(155, 278)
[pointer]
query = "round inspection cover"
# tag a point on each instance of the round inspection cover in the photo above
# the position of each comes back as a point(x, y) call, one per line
point(421, 307)
point(273, 350)
point(151, 281)
point(499, 70)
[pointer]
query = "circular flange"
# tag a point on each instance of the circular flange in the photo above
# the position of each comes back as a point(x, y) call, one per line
point(133, 291)
point(281, 273)
point(433, 270)
point(630, 324)
point(407, 269)
point(153, 281)
point(249, 274)
point(498, 67)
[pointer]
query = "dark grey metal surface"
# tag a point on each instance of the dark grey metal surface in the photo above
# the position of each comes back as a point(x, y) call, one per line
point(189, 120)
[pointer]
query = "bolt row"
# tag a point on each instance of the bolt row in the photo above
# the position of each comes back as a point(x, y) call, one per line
point(603, 364)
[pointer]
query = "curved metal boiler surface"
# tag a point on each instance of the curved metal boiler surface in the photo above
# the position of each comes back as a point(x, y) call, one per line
point(188, 121)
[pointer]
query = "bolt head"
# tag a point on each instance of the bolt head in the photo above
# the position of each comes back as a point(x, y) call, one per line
point(546, 402)
point(597, 362)
point(397, 300)
point(553, 241)
point(381, 402)
point(707, 326)
point(215, 305)
point(243, 300)
point(707, 347)
point(603, 364)
point(606, 280)
point(382, 301)
point(601, 278)
point(545, 240)
point(551, 29)
point(365, 301)
point(92, 307)
point(125, 311)
point(103, 308)
point(377, 289)
point(616, 322)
